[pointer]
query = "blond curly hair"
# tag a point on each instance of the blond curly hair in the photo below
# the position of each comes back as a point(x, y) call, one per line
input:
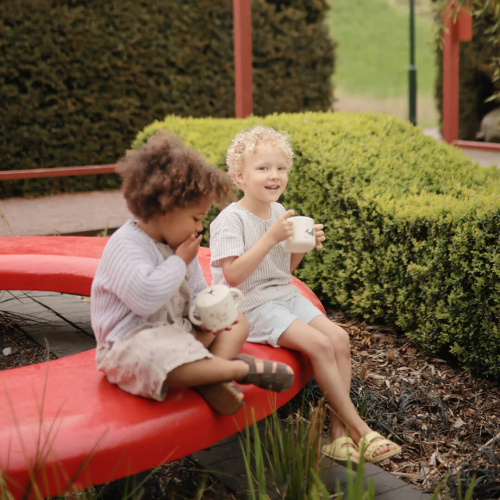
point(247, 141)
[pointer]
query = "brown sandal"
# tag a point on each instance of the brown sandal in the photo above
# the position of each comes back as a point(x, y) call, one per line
point(223, 397)
point(269, 375)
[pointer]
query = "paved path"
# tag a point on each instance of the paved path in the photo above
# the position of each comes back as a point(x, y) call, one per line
point(59, 320)
point(77, 214)
point(485, 158)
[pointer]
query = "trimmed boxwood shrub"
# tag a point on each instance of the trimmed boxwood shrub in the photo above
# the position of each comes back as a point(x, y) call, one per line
point(479, 66)
point(78, 79)
point(412, 225)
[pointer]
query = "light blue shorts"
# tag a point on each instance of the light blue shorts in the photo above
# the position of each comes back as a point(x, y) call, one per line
point(268, 321)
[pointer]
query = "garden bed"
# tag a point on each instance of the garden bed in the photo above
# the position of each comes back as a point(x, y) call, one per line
point(442, 413)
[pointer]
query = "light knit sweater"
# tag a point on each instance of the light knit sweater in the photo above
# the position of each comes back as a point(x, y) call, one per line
point(133, 281)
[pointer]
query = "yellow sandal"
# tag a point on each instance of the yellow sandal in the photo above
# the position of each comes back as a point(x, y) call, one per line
point(340, 450)
point(365, 444)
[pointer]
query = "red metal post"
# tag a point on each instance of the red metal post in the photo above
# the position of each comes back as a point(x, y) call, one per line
point(455, 31)
point(450, 77)
point(242, 19)
point(464, 25)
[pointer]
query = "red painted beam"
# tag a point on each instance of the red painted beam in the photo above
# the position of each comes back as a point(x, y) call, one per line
point(242, 19)
point(456, 30)
point(450, 76)
point(464, 25)
point(37, 173)
point(484, 146)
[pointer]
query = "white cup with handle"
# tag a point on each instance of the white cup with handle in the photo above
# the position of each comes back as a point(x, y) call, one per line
point(216, 307)
point(303, 238)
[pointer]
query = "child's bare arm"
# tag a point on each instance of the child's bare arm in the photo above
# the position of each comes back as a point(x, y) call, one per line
point(238, 269)
point(295, 261)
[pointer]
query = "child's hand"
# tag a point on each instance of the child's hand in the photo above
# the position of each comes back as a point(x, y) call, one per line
point(282, 228)
point(320, 235)
point(216, 332)
point(188, 249)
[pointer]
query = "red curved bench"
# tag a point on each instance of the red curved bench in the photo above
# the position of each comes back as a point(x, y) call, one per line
point(69, 411)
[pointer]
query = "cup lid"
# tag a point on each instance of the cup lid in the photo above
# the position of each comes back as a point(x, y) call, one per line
point(211, 295)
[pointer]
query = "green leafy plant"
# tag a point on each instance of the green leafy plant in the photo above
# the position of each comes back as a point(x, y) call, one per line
point(468, 493)
point(411, 224)
point(288, 460)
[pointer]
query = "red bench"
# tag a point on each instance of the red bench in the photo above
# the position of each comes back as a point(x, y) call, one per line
point(60, 417)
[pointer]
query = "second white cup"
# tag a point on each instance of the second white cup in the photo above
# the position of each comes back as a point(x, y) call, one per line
point(216, 307)
point(303, 238)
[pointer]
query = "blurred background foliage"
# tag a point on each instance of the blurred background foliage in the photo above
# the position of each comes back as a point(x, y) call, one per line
point(79, 79)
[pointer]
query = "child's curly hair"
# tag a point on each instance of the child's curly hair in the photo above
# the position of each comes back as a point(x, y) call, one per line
point(247, 141)
point(164, 174)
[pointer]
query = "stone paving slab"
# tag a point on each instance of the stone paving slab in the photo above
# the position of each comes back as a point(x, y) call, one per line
point(63, 214)
point(61, 320)
point(485, 158)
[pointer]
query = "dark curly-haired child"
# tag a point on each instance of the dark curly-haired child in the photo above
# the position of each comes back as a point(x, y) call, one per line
point(148, 277)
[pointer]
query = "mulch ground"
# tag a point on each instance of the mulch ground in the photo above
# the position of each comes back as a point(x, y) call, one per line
point(445, 418)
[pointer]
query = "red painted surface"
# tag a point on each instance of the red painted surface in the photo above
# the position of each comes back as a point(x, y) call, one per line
point(456, 31)
point(450, 76)
point(242, 38)
point(484, 146)
point(74, 413)
point(464, 22)
point(37, 173)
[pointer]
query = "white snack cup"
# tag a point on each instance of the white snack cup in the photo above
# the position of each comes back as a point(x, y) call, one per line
point(216, 307)
point(303, 238)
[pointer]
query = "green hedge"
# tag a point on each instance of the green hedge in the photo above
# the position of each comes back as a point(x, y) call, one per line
point(78, 79)
point(479, 66)
point(412, 225)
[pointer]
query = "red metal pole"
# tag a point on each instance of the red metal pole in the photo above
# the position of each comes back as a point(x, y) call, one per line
point(454, 33)
point(450, 77)
point(242, 18)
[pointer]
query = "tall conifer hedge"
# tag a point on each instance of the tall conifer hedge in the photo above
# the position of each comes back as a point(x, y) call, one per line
point(78, 79)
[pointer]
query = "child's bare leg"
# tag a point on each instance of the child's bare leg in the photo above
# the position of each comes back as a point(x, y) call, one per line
point(207, 371)
point(317, 346)
point(339, 339)
point(228, 343)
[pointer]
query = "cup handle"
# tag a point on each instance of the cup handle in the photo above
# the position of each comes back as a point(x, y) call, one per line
point(193, 320)
point(239, 294)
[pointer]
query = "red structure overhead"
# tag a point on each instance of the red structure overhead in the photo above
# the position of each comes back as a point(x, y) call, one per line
point(242, 20)
point(457, 28)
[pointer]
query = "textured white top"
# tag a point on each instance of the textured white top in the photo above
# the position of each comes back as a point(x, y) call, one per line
point(235, 231)
point(133, 281)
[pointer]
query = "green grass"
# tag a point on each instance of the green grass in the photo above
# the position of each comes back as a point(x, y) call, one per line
point(373, 47)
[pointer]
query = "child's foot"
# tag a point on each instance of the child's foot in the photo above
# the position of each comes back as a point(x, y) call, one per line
point(342, 450)
point(269, 375)
point(224, 397)
point(377, 448)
